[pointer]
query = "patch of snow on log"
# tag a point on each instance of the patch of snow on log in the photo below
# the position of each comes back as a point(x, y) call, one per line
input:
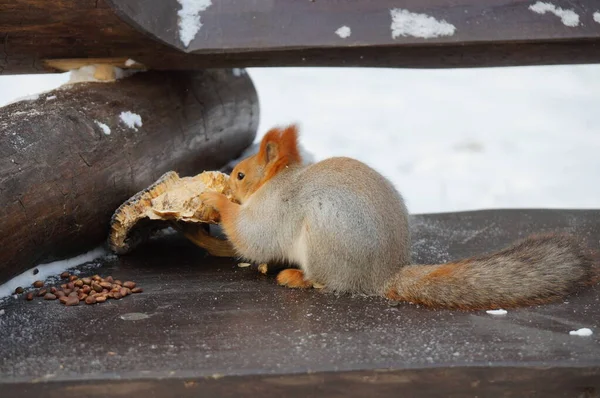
point(104, 127)
point(497, 312)
point(45, 271)
point(344, 32)
point(189, 18)
point(88, 74)
point(131, 120)
point(567, 17)
point(581, 332)
point(406, 23)
point(83, 74)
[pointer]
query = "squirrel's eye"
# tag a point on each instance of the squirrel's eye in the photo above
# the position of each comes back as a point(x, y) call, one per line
point(241, 176)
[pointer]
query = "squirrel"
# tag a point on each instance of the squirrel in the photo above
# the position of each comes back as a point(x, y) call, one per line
point(346, 227)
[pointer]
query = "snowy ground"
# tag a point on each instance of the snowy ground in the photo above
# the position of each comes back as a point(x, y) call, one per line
point(448, 139)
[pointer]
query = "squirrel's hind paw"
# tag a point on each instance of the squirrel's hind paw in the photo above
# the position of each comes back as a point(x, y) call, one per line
point(293, 278)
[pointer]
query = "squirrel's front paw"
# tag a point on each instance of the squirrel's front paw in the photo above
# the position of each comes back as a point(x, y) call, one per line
point(213, 199)
point(293, 278)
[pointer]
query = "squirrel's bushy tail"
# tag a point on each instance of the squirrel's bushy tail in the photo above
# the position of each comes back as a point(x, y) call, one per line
point(537, 270)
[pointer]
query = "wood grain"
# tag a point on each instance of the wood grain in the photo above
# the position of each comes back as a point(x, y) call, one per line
point(217, 330)
point(293, 33)
point(62, 177)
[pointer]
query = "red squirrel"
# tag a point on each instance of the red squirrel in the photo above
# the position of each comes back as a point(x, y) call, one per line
point(346, 227)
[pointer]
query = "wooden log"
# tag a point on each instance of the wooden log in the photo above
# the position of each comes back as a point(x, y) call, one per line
point(39, 35)
point(69, 158)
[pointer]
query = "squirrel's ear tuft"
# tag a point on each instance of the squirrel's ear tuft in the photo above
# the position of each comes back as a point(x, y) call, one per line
point(289, 144)
point(280, 145)
point(269, 146)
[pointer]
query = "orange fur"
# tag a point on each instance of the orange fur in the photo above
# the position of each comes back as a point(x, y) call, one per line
point(392, 294)
point(228, 212)
point(278, 150)
point(444, 271)
point(450, 274)
point(293, 278)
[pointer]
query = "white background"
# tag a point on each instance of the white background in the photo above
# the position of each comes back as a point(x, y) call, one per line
point(448, 139)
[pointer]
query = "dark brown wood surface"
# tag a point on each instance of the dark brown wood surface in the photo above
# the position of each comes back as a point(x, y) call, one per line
point(293, 32)
point(62, 177)
point(231, 25)
point(213, 329)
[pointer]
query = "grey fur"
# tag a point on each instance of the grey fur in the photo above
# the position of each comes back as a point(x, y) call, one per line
point(346, 227)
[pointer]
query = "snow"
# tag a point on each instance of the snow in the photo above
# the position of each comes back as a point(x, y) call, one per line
point(45, 271)
point(597, 17)
point(31, 97)
point(237, 72)
point(83, 74)
point(131, 120)
point(86, 74)
point(581, 332)
point(568, 17)
point(343, 32)
point(51, 97)
point(104, 127)
point(28, 98)
point(406, 23)
point(189, 18)
point(497, 312)
point(449, 140)
point(130, 62)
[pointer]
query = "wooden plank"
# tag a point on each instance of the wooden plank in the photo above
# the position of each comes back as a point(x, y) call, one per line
point(62, 175)
point(434, 382)
point(214, 329)
point(231, 25)
point(295, 33)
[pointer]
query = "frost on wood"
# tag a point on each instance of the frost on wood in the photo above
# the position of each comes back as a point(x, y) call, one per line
point(104, 127)
point(497, 312)
point(568, 17)
point(406, 23)
point(597, 17)
point(131, 120)
point(189, 18)
point(343, 32)
point(581, 332)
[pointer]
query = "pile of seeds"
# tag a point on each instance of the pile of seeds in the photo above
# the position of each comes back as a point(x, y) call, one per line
point(92, 290)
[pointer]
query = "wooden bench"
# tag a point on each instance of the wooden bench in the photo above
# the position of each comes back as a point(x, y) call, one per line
point(205, 327)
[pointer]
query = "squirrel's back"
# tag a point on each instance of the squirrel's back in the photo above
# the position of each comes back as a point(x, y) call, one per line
point(356, 225)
